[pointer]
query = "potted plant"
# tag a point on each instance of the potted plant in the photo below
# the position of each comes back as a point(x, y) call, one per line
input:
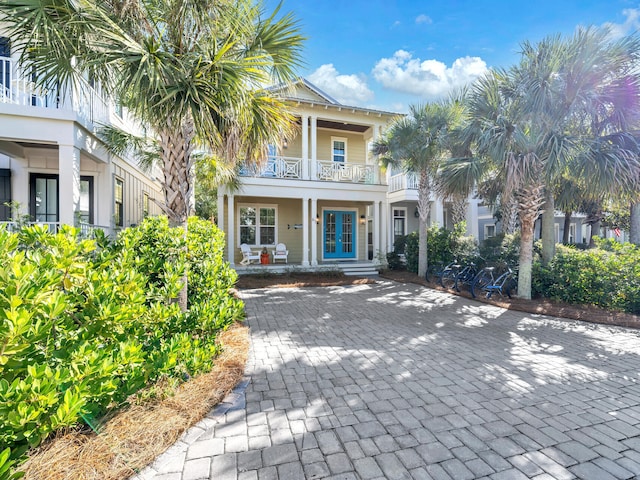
point(264, 256)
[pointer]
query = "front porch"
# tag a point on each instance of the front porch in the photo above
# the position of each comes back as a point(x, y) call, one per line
point(349, 268)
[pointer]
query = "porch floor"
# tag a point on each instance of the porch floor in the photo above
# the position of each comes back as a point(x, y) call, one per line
point(350, 267)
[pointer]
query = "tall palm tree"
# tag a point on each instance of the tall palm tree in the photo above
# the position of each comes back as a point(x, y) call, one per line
point(417, 143)
point(191, 70)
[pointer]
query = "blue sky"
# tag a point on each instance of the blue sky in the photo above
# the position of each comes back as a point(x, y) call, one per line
point(390, 54)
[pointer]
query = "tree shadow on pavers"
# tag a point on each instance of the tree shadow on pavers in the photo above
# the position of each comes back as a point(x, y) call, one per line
point(441, 333)
point(393, 368)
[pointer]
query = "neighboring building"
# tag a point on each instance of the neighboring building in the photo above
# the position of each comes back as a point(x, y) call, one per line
point(54, 166)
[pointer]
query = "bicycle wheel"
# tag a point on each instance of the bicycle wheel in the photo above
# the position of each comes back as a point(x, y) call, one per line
point(482, 280)
point(511, 287)
point(448, 279)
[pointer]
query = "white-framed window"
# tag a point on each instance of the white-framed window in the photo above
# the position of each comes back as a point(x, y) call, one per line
point(118, 202)
point(556, 232)
point(145, 204)
point(399, 223)
point(572, 233)
point(257, 224)
point(339, 149)
point(489, 231)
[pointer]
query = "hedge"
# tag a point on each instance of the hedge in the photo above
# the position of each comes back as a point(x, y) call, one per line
point(86, 323)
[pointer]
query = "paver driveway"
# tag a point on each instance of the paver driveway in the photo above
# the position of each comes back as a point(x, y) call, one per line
point(398, 381)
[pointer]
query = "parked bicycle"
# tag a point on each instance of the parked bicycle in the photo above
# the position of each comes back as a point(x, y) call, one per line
point(466, 276)
point(486, 283)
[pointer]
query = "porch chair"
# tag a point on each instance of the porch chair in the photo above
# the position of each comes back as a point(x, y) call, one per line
point(248, 255)
point(280, 253)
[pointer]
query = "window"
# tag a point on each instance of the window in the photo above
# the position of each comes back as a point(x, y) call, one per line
point(145, 204)
point(5, 65)
point(86, 200)
point(489, 231)
point(5, 195)
point(258, 225)
point(399, 223)
point(572, 233)
point(339, 149)
point(44, 197)
point(118, 199)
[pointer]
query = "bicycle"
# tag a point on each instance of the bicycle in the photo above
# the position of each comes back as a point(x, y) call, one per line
point(449, 274)
point(486, 282)
point(466, 276)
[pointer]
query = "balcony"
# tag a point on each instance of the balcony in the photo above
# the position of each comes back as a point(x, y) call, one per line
point(320, 170)
point(17, 88)
point(86, 230)
point(403, 181)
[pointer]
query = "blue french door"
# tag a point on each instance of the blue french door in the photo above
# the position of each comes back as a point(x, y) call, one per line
point(339, 236)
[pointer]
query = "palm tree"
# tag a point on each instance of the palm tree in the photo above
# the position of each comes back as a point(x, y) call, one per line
point(417, 143)
point(190, 70)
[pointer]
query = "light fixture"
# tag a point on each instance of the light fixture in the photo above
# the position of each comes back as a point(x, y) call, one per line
point(416, 213)
point(363, 219)
point(285, 143)
point(318, 219)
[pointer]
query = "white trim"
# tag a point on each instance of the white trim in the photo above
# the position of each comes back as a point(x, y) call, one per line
point(343, 140)
point(556, 232)
point(257, 206)
point(116, 178)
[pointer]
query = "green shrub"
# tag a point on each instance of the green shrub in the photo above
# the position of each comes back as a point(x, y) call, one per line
point(608, 276)
point(83, 327)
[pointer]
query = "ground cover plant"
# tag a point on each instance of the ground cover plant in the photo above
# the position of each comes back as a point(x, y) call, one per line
point(86, 323)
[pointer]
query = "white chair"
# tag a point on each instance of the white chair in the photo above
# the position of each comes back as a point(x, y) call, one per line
point(248, 255)
point(280, 253)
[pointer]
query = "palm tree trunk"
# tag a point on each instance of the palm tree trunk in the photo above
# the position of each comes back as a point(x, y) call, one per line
point(567, 228)
point(176, 145)
point(458, 209)
point(530, 200)
point(509, 207)
point(595, 232)
point(424, 204)
point(548, 228)
point(634, 221)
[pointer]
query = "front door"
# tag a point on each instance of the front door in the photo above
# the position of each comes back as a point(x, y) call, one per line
point(339, 234)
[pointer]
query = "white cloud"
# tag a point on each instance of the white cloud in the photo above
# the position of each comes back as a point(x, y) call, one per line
point(347, 89)
point(422, 18)
point(630, 25)
point(429, 79)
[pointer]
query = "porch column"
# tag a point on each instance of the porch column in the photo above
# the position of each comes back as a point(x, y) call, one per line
point(314, 148)
point(376, 230)
point(103, 189)
point(220, 219)
point(437, 212)
point(69, 183)
point(390, 230)
point(314, 232)
point(305, 147)
point(231, 237)
point(384, 239)
point(472, 217)
point(305, 232)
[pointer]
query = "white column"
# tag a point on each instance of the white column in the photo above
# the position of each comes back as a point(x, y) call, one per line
point(103, 190)
point(305, 147)
point(220, 218)
point(231, 229)
point(437, 212)
point(69, 186)
point(376, 230)
point(472, 217)
point(314, 148)
point(384, 238)
point(392, 226)
point(314, 232)
point(305, 232)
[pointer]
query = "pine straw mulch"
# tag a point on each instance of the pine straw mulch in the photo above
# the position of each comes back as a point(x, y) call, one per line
point(134, 437)
point(542, 306)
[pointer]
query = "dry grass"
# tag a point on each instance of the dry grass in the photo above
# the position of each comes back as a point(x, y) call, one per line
point(134, 437)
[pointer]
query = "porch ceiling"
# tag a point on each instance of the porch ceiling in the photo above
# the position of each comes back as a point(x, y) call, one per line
point(349, 127)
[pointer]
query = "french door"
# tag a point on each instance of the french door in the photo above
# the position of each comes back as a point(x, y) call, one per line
point(339, 236)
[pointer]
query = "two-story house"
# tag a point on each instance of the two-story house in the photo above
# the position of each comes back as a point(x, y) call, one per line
point(54, 166)
point(322, 194)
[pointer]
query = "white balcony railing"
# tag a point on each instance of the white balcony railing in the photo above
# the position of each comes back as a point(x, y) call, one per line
point(325, 170)
point(17, 87)
point(86, 229)
point(403, 181)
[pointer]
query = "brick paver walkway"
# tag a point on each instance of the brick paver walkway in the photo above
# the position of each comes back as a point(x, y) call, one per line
point(398, 381)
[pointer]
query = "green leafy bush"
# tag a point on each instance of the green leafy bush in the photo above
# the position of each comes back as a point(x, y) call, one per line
point(608, 276)
point(84, 323)
point(443, 246)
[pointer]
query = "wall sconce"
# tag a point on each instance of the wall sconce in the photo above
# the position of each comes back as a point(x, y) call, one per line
point(285, 143)
point(363, 219)
point(416, 213)
point(318, 219)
